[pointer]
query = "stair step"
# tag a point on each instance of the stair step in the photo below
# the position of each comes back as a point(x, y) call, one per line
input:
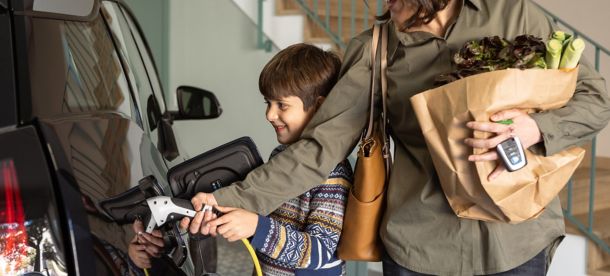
point(598, 261)
point(287, 7)
point(604, 271)
point(602, 162)
point(315, 33)
point(580, 190)
point(358, 7)
point(601, 224)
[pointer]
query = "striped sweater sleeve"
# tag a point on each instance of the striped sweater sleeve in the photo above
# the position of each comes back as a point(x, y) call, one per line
point(315, 246)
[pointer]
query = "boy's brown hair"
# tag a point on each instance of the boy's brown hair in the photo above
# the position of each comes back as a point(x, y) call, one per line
point(301, 70)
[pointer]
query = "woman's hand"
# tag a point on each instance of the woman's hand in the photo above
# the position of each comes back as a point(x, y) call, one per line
point(235, 224)
point(523, 126)
point(201, 219)
point(144, 245)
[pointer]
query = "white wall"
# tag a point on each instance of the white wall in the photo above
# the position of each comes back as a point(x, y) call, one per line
point(570, 258)
point(213, 46)
point(283, 30)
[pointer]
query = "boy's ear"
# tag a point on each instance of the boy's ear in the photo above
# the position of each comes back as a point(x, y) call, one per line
point(319, 101)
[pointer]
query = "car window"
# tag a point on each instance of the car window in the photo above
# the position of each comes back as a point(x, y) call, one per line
point(133, 63)
point(75, 69)
point(148, 61)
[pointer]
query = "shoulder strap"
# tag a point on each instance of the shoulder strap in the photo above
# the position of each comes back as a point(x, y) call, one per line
point(384, 94)
point(374, 44)
point(379, 31)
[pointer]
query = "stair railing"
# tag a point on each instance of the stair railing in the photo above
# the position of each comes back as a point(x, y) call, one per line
point(311, 8)
point(261, 41)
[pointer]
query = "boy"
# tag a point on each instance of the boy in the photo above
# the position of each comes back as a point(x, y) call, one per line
point(301, 236)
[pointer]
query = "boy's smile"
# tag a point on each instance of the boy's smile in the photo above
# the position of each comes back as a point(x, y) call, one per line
point(288, 118)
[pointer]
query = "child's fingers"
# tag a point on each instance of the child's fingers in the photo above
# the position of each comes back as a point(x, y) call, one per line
point(227, 233)
point(225, 209)
point(224, 229)
point(221, 220)
point(233, 238)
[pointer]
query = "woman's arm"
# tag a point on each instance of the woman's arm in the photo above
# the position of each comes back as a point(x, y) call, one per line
point(329, 138)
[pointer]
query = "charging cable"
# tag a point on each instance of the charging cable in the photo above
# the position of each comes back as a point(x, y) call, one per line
point(257, 265)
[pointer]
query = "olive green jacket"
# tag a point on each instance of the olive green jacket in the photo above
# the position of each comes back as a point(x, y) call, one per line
point(419, 229)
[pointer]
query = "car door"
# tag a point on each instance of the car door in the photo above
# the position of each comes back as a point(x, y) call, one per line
point(83, 97)
point(144, 85)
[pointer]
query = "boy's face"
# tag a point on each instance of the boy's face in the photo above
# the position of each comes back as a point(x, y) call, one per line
point(288, 118)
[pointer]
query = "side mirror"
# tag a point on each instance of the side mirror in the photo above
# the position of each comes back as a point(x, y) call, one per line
point(196, 103)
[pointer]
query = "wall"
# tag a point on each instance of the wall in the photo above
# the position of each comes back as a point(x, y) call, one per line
point(213, 46)
point(283, 30)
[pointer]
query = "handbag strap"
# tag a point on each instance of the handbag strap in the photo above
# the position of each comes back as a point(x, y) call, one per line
point(379, 30)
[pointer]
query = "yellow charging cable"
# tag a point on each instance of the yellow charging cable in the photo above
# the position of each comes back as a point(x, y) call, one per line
point(146, 272)
point(257, 265)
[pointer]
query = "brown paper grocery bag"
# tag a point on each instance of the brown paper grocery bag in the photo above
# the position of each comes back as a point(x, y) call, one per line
point(513, 196)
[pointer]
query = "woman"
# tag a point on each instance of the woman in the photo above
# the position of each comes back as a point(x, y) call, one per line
point(419, 230)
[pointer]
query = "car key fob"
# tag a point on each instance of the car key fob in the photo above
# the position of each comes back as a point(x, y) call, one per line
point(512, 154)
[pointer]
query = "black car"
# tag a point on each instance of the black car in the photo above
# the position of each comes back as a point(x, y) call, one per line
point(82, 119)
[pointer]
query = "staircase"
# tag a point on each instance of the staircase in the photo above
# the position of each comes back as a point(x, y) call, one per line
point(577, 212)
point(334, 22)
point(345, 18)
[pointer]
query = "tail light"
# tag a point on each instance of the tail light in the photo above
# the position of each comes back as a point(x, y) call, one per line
point(13, 234)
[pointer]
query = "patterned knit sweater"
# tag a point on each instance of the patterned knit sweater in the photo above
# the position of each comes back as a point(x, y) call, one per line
point(301, 236)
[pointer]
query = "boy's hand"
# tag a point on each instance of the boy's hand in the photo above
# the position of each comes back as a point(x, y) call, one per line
point(201, 219)
point(144, 245)
point(235, 224)
point(523, 126)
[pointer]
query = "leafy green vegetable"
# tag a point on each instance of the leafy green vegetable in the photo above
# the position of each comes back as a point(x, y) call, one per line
point(561, 36)
point(553, 53)
point(572, 53)
point(495, 53)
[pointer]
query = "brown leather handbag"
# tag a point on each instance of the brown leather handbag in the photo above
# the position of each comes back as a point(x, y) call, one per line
point(366, 202)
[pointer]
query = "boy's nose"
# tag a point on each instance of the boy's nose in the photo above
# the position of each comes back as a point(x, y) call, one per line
point(271, 115)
